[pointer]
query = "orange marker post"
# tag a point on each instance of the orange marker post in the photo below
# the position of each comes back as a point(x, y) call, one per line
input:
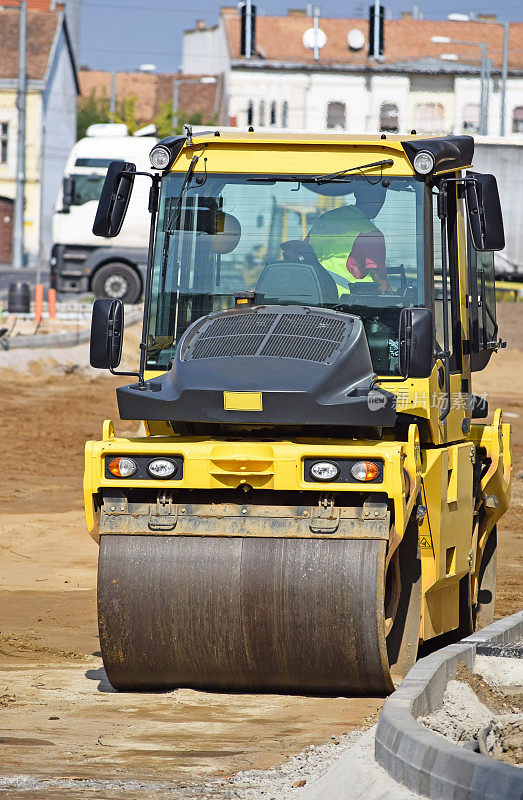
point(51, 302)
point(39, 301)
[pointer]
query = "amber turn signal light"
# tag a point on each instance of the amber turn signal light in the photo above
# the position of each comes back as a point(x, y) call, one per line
point(365, 471)
point(122, 467)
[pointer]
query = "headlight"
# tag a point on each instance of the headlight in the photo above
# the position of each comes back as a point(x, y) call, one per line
point(122, 467)
point(160, 157)
point(161, 468)
point(423, 163)
point(364, 471)
point(324, 471)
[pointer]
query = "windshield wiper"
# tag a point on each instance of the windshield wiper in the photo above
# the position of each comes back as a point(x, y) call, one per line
point(387, 162)
point(333, 176)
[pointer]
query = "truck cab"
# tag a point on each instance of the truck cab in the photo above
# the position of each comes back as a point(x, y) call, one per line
point(79, 262)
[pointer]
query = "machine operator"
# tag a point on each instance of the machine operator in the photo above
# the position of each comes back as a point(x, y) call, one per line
point(348, 244)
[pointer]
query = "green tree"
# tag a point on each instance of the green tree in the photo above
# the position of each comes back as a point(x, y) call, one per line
point(126, 114)
point(91, 110)
point(164, 119)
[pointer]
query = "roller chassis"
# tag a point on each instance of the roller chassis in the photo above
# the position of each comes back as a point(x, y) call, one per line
point(209, 504)
point(244, 570)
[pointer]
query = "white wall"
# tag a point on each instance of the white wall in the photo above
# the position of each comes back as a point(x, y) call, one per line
point(505, 161)
point(58, 135)
point(204, 52)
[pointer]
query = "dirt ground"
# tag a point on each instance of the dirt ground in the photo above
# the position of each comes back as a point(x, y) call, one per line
point(58, 714)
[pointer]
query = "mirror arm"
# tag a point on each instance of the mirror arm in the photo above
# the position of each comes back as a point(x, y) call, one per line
point(153, 210)
point(442, 214)
point(154, 193)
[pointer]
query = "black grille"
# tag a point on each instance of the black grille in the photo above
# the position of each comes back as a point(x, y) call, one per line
point(308, 337)
point(298, 347)
point(314, 325)
point(240, 325)
point(220, 346)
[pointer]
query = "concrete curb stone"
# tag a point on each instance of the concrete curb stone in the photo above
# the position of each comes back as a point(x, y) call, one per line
point(427, 763)
point(61, 339)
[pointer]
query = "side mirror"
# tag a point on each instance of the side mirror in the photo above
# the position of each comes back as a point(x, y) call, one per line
point(114, 199)
point(67, 193)
point(416, 342)
point(484, 212)
point(106, 334)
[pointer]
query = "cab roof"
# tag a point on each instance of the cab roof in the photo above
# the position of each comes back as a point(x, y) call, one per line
point(450, 152)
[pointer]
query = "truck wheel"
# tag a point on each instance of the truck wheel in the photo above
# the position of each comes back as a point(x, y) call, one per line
point(117, 281)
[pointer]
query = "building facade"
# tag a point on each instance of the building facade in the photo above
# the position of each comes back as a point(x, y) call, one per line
point(283, 84)
point(51, 93)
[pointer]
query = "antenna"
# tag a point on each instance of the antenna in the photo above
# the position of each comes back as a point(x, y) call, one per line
point(314, 38)
point(355, 39)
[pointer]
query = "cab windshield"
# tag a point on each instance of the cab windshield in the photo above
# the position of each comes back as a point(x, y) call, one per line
point(353, 245)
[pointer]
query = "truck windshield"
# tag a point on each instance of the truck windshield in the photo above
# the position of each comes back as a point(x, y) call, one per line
point(355, 246)
point(87, 188)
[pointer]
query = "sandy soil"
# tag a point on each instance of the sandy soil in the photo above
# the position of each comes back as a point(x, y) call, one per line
point(58, 714)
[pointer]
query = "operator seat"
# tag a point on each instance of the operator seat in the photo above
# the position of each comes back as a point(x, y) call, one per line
point(298, 279)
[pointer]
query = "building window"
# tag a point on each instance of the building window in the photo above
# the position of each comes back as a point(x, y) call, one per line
point(284, 114)
point(336, 115)
point(471, 118)
point(389, 118)
point(250, 113)
point(517, 120)
point(272, 118)
point(429, 117)
point(4, 132)
point(261, 119)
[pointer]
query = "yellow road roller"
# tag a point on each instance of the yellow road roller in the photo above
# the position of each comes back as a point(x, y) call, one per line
point(316, 490)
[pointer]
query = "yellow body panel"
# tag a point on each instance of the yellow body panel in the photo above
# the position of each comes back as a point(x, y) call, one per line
point(221, 464)
point(439, 478)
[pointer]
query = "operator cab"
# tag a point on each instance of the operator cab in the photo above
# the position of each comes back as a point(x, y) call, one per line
point(263, 234)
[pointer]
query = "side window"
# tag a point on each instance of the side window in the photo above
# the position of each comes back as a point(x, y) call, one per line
point(250, 113)
point(452, 312)
point(4, 138)
point(389, 118)
point(87, 188)
point(482, 306)
point(336, 116)
point(284, 114)
point(438, 284)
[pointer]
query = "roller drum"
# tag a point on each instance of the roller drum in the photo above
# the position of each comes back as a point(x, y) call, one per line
point(269, 614)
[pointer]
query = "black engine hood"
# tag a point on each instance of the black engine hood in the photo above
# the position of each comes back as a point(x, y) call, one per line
point(312, 367)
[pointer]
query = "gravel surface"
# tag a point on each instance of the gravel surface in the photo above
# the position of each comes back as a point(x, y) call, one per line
point(461, 716)
point(342, 769)
point(499, 671)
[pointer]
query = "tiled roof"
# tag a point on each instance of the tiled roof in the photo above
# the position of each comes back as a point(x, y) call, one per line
point(41, 29)
point(152, 89)
point(280, 39)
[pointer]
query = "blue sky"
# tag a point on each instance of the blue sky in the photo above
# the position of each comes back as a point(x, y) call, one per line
point(122, 34)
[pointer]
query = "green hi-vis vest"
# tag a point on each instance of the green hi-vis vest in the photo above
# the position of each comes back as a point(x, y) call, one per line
point(332, 237)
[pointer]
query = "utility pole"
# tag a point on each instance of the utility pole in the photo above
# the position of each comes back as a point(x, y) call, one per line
point(504, 76)
point(175, 104)
point(316, 21)
point(488, 76)
point(483, 127)
point(18, 222)
point(112, 100)
point(377, 30)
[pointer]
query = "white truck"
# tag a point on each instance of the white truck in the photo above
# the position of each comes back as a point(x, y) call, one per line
point(79, 262)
